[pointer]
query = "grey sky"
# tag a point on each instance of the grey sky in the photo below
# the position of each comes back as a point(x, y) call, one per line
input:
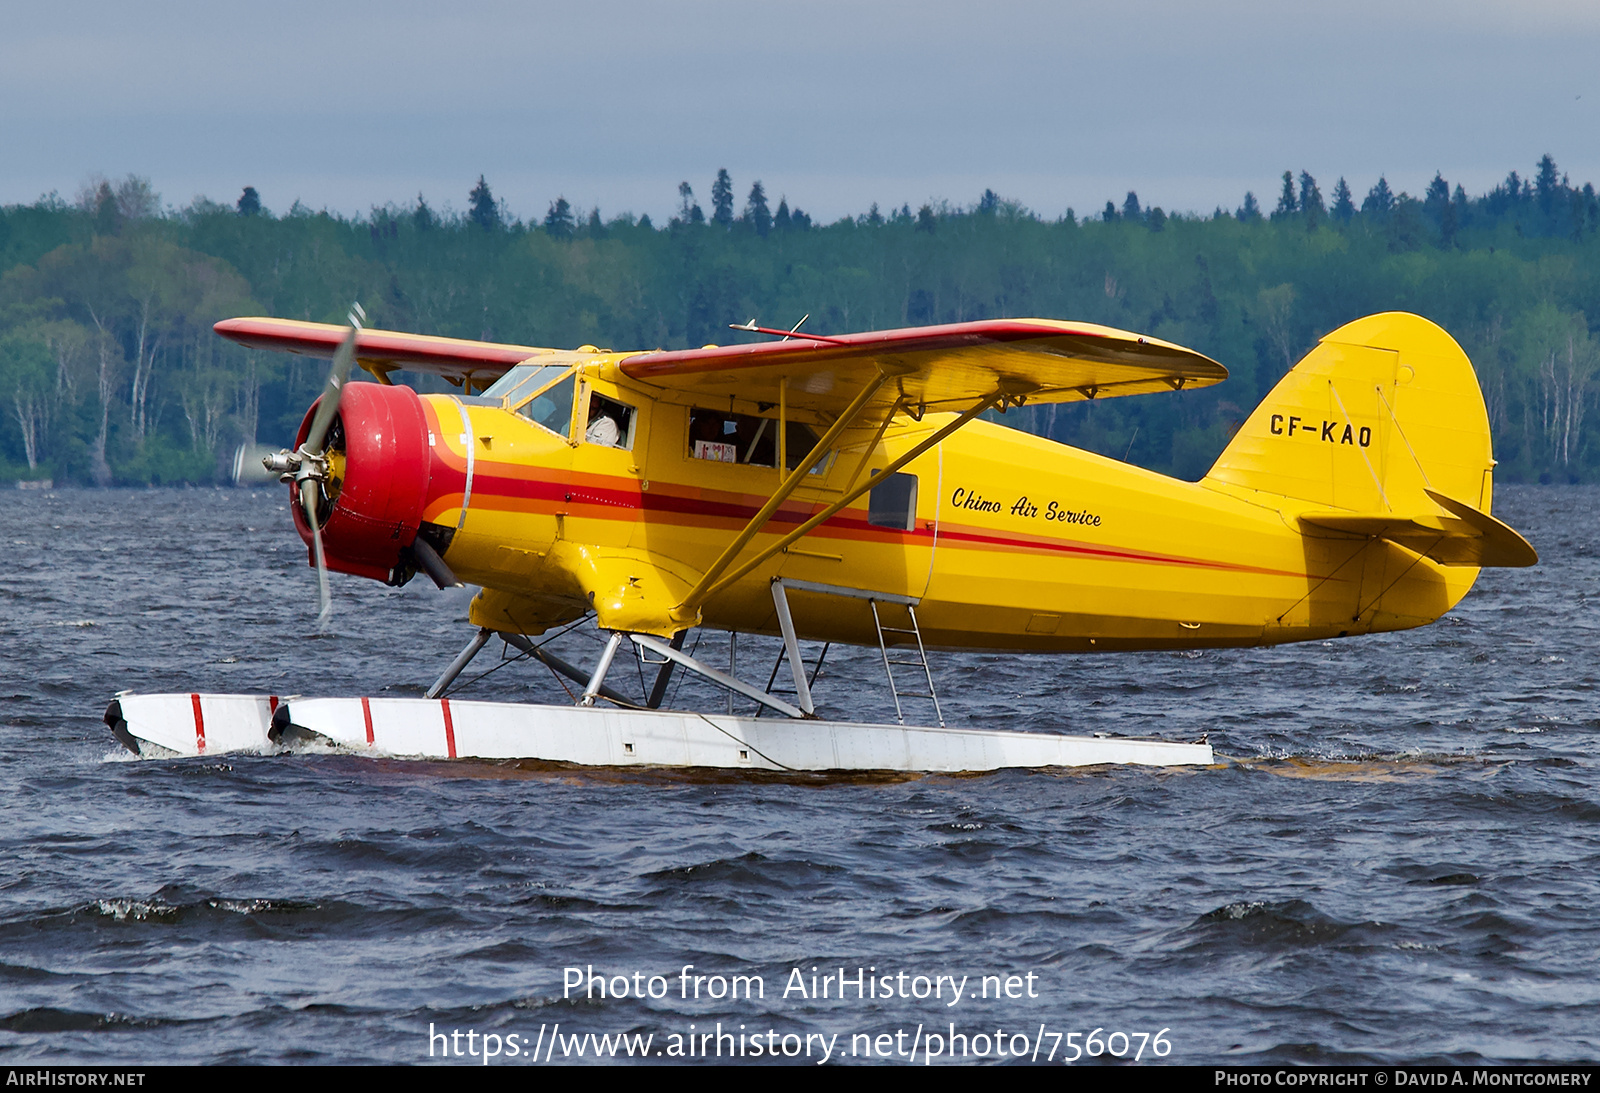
point(835, 105)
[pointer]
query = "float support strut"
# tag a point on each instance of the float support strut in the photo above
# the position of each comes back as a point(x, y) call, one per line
point(658, 693)
point(791, 645)
point(571, 671)
point(463, 658)
point(722, 679)
point(597, 680)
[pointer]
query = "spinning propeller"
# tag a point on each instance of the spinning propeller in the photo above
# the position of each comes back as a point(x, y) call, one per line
point(308, 465)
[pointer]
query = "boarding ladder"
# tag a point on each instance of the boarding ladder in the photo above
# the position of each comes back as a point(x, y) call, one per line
point(906, 660)
point(804, 675)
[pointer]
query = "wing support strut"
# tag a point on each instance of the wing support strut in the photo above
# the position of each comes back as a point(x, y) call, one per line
point(849, 496)
point(703, 588)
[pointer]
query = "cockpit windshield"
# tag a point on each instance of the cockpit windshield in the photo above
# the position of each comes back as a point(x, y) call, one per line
point(524, 380)
point(553, 406)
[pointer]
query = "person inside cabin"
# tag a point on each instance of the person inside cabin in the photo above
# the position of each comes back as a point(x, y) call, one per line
point(705, 427)
point(603, 428)
point(709, 437)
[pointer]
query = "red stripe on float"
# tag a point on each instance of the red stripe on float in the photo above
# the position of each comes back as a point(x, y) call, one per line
point(199, 725)
point(449, 728)
point(366, 712)
point(272, 703)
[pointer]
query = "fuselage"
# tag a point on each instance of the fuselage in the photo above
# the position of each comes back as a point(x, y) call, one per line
point(1008, 541)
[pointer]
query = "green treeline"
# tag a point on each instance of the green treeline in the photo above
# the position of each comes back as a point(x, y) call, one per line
point(110, 374)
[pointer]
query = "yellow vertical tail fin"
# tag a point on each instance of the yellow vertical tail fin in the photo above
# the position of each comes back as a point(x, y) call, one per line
point(1381, 411)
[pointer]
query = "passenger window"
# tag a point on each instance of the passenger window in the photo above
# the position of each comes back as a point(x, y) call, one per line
point(610, 423)
point(743, 438)
point(552, 408)
point(892, 503)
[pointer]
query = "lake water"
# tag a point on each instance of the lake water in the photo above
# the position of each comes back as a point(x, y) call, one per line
point(1397, 857)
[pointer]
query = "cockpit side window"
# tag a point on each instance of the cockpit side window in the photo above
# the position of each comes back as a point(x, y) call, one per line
point(552, 407)
point(610, 423)
point(741, 438)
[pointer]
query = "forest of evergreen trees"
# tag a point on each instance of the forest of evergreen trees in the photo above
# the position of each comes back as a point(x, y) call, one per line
point(110, 373)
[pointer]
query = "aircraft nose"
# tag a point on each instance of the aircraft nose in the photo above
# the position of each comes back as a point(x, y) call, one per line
point(371, 503)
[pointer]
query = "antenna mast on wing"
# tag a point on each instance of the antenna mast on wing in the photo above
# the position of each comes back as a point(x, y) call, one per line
point(792, 332)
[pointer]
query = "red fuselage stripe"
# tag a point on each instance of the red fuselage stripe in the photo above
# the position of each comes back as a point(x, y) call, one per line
point(489, 487)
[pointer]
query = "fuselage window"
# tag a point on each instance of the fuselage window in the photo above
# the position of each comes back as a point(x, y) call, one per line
point(610, 423)
point(742, 438)
point(552, 408)
point(892, 503)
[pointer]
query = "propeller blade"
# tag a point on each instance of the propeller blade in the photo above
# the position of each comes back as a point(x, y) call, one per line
point(308, 501)
point(315, 447)
point(343, 361)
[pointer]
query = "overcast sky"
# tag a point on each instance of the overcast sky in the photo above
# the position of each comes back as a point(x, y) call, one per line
point(835, 105)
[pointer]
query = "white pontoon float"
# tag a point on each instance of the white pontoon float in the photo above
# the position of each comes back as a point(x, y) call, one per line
point(633, 734)
point(210, 724)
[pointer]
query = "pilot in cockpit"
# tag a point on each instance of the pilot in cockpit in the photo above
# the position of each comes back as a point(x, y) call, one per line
point(602, 427)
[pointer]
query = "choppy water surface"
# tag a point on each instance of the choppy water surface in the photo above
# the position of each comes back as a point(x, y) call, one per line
point(1398, 858)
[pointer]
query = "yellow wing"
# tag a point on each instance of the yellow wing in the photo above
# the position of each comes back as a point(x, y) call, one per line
point(932, 368)
point(935, 367)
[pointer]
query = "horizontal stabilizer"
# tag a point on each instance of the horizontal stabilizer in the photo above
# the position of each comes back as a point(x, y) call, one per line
point(1466, 537)
point(1502, 546)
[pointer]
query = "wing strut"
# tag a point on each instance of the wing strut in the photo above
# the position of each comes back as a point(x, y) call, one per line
point(697, 596)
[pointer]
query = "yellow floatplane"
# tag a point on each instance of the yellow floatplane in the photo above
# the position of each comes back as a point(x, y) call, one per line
point(845, 489)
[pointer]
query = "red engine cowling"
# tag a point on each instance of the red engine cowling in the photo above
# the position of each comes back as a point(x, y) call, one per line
point(379, 505)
